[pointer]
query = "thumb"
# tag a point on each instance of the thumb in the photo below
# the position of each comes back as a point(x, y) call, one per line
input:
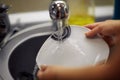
point(40, 73)
point(43, 67)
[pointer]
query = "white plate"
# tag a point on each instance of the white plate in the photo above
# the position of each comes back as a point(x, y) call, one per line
point(77, 50)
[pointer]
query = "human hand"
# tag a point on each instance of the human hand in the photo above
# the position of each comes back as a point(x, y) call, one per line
point(50, 72)
point(57, 73)
point(46, 73)
point(108, 30)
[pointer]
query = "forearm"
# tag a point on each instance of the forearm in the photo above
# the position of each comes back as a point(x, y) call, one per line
point(98, 72)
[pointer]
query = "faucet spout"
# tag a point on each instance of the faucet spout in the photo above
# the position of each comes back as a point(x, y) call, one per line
point(59, 13)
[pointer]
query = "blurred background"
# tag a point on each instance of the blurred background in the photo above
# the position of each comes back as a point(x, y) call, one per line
point(37, 5)
point(36, 11)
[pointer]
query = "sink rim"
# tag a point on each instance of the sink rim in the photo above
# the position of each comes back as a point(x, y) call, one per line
point(37, 26)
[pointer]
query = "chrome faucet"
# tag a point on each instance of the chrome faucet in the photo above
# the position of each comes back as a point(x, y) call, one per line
point(59, 12)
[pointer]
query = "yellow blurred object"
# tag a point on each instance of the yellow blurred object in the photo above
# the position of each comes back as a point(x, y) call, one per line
point(81, 12)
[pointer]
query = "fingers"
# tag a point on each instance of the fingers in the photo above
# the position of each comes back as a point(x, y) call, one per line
point(43, 67)
point(93, 32)
point(46, 73)
point(95, 29)
point(91, 26)
point(51, 72)
point(41, 72)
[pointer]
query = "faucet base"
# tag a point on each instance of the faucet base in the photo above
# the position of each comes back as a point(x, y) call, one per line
point(66, 34)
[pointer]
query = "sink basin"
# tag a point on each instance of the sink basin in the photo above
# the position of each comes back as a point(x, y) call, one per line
point(18, 56)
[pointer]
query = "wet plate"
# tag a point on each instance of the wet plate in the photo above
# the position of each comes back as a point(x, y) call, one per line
point(76, 50)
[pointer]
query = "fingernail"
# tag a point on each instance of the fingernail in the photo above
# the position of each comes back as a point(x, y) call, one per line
point(43, 67)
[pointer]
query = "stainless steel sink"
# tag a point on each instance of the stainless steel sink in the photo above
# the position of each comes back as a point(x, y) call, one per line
point(17, 57)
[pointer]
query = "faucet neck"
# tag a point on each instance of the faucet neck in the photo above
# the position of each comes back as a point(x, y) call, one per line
point(58, 11)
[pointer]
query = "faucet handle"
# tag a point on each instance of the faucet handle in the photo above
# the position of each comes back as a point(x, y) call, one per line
point(3, 8)
point(4, 22)
point(58, 10)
